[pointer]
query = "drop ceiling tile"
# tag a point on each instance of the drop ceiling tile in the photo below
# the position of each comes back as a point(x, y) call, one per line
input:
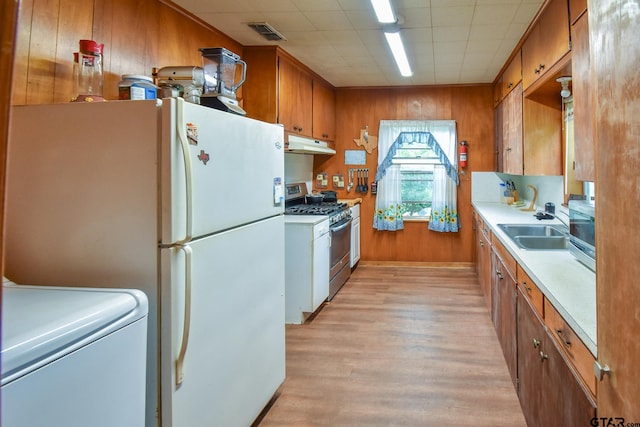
point(362, 19)
point(481, 33)
point(288, 21)
point(451, 3)
point(417, 35)
point(274, 5)
point(448, 52)
point(526, 12)
point(451, 16)
point(416, 17)
point(450, 34)
point(331, 20)
point(340, 39)
point(355, 4)
point(490, 14)
point(314, 5)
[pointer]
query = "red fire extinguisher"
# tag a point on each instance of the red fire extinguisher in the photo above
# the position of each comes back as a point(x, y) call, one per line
point(463, 154)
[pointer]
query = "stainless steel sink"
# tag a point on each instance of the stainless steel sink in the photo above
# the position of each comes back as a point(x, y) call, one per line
point(537, 236)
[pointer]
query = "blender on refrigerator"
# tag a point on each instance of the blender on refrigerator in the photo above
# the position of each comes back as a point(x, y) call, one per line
point(220, 66)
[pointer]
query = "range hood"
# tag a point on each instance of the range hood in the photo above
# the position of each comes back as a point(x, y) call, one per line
point(298, 144)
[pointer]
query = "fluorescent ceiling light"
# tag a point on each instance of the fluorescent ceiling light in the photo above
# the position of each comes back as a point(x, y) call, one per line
point(397, 48)
point(383, 10)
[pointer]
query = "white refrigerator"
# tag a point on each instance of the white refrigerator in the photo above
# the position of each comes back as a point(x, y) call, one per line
point(181, 201)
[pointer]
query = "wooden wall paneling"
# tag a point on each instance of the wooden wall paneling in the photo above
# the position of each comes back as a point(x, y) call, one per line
point(542, 139)
point(187, 35)
point(471, 107)
point(261, 86)
point(137, 36)
point(42, 51)
point(103, 28)
point(77, 16)
point(613, 34)
point(19, 82)
point(130, 34)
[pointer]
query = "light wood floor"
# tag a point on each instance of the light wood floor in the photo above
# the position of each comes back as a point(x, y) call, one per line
point(397, 346)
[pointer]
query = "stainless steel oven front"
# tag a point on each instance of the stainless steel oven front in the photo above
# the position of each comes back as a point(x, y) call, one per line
point(340, 270)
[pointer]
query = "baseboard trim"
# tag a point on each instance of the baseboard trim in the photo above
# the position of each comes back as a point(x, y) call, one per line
point(456, 265)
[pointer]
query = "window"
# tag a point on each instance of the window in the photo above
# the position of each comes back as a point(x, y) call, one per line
point(416, 163)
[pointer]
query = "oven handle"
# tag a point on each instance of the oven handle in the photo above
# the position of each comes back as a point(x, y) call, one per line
point(341, 227)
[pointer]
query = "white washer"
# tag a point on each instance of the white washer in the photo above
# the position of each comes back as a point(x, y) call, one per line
point(73, 357)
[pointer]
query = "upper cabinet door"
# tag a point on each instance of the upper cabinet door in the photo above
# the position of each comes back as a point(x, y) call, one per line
point(513, 74)
point(324, 111)
point(584, 147)
point(547, 43)
point(295, 110)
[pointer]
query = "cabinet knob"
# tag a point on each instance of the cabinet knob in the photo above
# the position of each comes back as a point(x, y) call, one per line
point(536, 343)
point(499, 274)
point(543, 356)
point(508, 149)
point(564, 339)
point(482, 244)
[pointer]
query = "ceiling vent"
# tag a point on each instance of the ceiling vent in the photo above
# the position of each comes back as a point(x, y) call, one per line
point(267, 31)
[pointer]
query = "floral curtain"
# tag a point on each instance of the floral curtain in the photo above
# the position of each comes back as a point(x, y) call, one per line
point(440, 136)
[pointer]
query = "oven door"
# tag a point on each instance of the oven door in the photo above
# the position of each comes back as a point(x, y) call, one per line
point(340, 245)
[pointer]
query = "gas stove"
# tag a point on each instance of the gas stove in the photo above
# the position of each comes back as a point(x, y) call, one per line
point(295, 204)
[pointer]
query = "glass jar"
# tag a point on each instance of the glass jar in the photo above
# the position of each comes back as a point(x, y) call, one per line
point(90, 78)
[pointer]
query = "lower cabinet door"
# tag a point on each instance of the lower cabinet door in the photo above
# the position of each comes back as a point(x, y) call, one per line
point(504, 313)
point(567, 402)
point(531, 335)
point(549, 392)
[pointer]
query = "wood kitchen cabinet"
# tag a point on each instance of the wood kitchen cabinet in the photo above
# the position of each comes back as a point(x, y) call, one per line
point(279, 89)
point(295, 98)
point(512, 74)
point(542, 135)
point(547, 42)
point(324, 111)
point(483, 257)
point(503, 304)
point(549, 391)
point(528, 135)
point(530, 290)
point(571, 346)
point(584, 141)
point(512, 132)
point(576, 9)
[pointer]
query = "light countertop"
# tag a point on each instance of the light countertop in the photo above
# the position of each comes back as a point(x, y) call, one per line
point(566, 283)
point(305, 219)
point(351, 202)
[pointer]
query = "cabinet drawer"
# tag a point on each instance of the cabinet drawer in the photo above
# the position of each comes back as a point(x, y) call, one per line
point(530, 290)
point(508, 261)
point(573, 347)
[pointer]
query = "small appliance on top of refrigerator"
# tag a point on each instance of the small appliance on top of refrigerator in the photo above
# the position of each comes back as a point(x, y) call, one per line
point(181, 201)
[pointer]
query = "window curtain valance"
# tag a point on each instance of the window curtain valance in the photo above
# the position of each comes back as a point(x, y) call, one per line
point(412, 138)
point(440, 136)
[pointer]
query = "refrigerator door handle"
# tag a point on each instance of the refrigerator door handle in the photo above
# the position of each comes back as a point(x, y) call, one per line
point(187, 314)
point(184, 142)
